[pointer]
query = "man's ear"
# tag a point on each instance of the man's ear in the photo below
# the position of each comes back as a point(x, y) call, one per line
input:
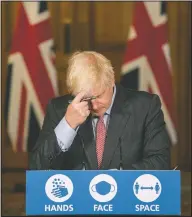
point(113, 82)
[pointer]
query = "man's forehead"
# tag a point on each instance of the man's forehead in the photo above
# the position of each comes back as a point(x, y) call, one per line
point(97, 90)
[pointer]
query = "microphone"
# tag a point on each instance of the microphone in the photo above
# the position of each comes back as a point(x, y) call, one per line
point(84, 154)
point(175, 168)
point(121, 155)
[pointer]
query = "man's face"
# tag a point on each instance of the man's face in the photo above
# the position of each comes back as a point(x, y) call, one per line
point(103, 100)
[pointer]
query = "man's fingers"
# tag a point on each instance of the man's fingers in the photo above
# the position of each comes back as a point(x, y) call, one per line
point(84, 112)
point(83, 104)
point(79, 97)
point(86, 107)
point(87, 112)
point(79, 106)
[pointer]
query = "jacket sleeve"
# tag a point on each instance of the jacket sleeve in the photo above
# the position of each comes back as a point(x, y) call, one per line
point(156, 151)
point(46, 148)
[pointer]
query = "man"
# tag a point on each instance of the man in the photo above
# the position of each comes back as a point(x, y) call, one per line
point(100, 124)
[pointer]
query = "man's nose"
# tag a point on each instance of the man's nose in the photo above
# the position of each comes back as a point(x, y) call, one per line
point(94, 104)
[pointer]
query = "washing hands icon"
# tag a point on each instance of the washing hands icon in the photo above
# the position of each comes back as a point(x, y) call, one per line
point(59, 190)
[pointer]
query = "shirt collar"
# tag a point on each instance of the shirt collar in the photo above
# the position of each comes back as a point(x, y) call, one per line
point(112, 101)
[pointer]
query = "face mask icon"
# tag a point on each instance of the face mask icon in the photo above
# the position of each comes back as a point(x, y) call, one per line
point(103, 188)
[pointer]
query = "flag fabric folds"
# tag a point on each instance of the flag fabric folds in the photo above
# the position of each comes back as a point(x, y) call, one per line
point(31, 75)
point(147, 63)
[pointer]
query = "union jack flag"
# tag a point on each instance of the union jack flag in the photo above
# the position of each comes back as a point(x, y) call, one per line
point(31, 79)
point(147, 62)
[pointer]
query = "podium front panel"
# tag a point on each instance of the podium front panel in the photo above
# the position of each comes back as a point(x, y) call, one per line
point(103, 192)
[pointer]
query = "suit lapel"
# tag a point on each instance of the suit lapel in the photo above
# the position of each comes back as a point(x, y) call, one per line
point(118, 120)
point(86, 133)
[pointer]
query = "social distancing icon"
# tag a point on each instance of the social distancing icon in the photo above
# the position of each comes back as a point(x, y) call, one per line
point(147, 188)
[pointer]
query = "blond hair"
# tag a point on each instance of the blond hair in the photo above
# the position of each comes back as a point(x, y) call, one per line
point(88, 69)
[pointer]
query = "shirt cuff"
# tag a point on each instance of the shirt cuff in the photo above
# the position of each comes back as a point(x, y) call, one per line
point(65, 134)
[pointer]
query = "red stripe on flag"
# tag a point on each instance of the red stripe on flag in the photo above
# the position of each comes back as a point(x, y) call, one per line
point(21, 125)
point(150, 89)
point(46, 33)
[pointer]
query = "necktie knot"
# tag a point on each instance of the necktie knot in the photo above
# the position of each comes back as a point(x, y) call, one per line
point(100, 119)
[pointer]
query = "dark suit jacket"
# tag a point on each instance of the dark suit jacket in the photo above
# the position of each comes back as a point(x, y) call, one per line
point(136, 134)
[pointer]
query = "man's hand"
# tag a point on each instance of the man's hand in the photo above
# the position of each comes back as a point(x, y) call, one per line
point(77, 111)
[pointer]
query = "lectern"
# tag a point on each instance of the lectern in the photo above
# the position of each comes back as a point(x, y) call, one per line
point(76, 192)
